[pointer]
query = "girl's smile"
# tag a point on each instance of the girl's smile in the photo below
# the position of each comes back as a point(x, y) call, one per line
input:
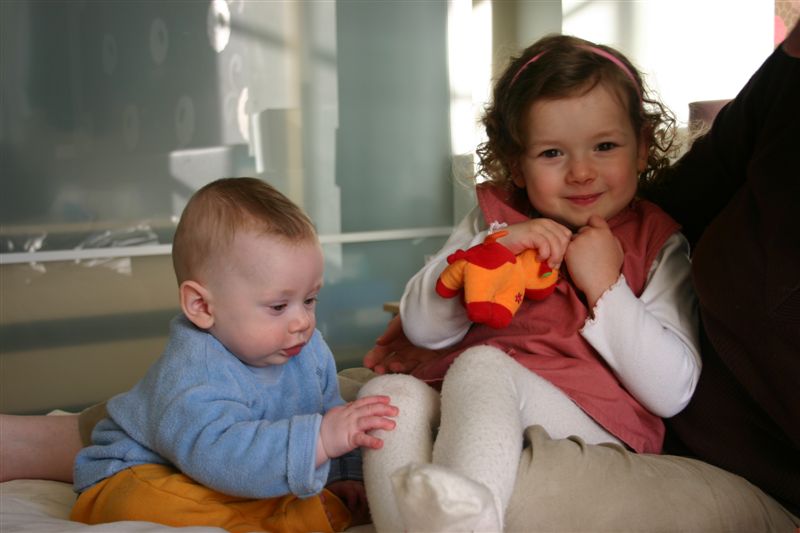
point(585, 199)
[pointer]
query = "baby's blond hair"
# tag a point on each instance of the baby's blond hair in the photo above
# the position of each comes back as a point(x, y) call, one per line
point(223, 208)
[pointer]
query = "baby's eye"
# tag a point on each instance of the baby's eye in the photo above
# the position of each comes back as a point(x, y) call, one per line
point(310, 302)
point(606, 146)
point(278, 308)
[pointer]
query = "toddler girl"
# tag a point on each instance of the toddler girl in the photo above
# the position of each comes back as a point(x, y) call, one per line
point(571, 130)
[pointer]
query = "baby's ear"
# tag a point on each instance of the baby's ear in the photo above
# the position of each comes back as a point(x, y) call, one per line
point(195, 304)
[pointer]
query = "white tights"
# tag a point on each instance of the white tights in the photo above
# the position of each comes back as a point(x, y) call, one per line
point(464, 481)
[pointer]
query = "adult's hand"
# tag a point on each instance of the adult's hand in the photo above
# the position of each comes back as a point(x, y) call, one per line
point(791, 45)
point(394, 353)
point(354, 497)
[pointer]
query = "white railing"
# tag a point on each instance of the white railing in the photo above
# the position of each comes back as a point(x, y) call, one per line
point(165, 249)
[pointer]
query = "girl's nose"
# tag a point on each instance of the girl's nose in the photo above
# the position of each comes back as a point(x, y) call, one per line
point(581, 171)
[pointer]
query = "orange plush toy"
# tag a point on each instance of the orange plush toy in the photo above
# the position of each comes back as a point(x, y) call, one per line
point(494, 281)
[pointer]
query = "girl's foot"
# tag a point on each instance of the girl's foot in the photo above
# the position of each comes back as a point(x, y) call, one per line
point(433, 498)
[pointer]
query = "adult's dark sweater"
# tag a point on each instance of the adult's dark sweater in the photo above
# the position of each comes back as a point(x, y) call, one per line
point(737, 195)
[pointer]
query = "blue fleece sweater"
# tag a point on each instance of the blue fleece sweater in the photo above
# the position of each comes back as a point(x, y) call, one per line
point(243, 431)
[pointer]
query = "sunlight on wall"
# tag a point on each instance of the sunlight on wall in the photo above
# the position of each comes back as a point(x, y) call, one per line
point(469, 56)
point(689, 51)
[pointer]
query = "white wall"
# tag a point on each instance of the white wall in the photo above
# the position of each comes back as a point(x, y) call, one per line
point(689, 50)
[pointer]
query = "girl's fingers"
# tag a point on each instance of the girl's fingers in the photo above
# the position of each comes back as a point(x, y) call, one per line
point(597, 221)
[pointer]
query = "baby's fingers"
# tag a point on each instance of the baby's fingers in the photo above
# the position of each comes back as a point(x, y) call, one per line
point(374, 406)
point(367, 441)
point(366, 401)
point(370, 424)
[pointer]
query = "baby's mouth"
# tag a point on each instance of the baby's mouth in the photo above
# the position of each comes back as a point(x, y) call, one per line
point(294, 350)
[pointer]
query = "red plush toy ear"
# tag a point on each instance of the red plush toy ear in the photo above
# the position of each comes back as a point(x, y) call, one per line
point(492, 314)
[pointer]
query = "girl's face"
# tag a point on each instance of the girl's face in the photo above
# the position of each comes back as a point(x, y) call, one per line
point(582, 157)
point(263, 297)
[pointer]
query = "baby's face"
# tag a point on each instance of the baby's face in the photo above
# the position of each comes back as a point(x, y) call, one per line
point(264, 296)
point(582, 157)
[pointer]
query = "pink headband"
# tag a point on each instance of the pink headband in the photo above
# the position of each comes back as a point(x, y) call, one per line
point(599, 51)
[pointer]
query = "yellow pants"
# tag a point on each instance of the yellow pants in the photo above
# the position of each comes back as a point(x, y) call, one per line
point(161, 494)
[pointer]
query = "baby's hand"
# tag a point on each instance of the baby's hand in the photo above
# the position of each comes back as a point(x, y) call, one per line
point(549, 238)
point(345, 427)
point(594, 259)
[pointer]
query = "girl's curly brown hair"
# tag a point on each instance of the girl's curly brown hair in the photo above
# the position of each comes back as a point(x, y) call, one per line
point(566, 67)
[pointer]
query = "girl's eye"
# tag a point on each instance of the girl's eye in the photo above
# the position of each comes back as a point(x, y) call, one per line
point(551, 153)
point(278, 308)
point(311, 301)
point(606, 146)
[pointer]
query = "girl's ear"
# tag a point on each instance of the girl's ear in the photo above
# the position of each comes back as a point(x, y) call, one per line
point(195, 304)
point(643, 152)
point(516, 176)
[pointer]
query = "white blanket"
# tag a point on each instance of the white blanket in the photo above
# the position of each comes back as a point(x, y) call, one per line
point(43, 506)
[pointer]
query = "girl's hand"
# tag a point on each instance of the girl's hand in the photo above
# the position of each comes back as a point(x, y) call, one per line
point(549, 238)
point(344, 428)
point(594, 259)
